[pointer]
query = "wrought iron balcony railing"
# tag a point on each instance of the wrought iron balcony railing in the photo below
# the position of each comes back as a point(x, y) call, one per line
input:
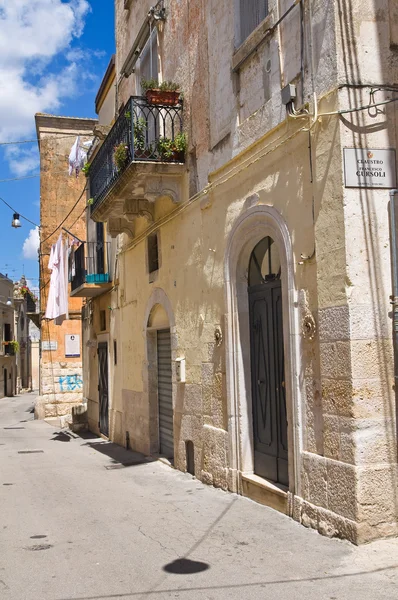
point(9, 349)
point(91, 264)
point(142, 132)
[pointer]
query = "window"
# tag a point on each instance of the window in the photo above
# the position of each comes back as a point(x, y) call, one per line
point(115, 352)
point(102, 320)
point(251, 13)
point(153, 253)
point(265, 264)
point(147, 67)
point(7, 332)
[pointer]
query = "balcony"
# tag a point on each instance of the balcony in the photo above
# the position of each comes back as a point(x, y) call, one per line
point(9, 349)
point(91, 276)
point(141, 159)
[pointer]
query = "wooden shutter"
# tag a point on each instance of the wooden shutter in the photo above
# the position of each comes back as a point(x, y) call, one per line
point(252, 12)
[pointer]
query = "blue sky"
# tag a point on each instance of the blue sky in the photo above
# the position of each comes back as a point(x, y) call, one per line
point(53, 54)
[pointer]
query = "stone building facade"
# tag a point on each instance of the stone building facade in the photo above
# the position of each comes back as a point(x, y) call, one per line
point(61, 385)
point(247, 332)
point(8, 366)
point(25, 308)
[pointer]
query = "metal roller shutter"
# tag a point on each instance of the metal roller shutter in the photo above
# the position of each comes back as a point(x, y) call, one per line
point(165, 396)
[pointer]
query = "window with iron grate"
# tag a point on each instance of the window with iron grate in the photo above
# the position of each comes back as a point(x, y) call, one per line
point(251, 13)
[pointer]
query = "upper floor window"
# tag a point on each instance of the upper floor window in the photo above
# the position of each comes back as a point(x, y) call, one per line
point(153, 253)
point(251, 13)
point(147, 65)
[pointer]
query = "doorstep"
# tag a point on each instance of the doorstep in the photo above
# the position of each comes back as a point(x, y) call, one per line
point(260, 490)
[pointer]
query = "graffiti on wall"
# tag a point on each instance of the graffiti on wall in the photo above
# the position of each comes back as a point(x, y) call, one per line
point(70, 383)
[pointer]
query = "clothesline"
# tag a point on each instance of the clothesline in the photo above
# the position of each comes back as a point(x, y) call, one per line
point(73, 235)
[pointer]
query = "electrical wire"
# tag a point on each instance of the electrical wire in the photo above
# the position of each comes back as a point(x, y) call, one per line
point(358, 108)
point(76, 220)
point(341, 112)
point(48, 137)
point(15, 211)
point(69, 213)
point(30, 176)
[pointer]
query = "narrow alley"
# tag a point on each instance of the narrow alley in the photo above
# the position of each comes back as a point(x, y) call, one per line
point(85, 519)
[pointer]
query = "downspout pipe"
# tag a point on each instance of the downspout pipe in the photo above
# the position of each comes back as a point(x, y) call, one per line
point(393, 210)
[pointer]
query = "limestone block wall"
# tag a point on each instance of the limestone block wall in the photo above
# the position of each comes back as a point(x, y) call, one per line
point(61, 388)
point(60, 376)
point(342, 479)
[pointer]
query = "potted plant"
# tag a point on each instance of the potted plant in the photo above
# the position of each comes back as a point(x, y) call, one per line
point(166, 93)
point(141, 149)
point(11, 347)
point(120, 156)
point(172, 150)
point(86, 169)
point(14, 345)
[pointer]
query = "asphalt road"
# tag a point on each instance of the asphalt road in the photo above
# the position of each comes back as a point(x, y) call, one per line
point(84, 519)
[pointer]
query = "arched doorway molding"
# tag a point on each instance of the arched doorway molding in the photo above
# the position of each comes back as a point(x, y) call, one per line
point(158, 316)
point(159, 296)
point(253, 225)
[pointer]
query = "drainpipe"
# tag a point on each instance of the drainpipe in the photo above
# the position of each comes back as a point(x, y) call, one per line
point(393, 209)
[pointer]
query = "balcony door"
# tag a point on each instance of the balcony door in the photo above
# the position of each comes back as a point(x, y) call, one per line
point(148, 68)
point(99, 250)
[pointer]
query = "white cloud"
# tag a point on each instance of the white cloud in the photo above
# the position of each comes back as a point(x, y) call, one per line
point(31, 244)
point(33, 34)
point(22, 160)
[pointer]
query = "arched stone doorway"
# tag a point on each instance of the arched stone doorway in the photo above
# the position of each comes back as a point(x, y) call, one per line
point(257, 229)
point(159, 333)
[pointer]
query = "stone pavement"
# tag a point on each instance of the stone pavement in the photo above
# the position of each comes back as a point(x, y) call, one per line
point(84, 519)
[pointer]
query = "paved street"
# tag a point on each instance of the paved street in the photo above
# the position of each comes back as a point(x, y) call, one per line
point(84, 519)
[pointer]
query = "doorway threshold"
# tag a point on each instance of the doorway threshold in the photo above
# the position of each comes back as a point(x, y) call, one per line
point(265, 492)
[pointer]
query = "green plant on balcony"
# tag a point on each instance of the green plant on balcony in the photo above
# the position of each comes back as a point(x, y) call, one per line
point(120, 156)
point(14, 345)
point(172, 149)
point(165, 93)
point(86, 169)
point(139, 134)
point(11, 347)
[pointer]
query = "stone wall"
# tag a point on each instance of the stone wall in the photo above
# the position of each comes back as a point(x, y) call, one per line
point(60, 376)
point(245, 155)
point(61, 388)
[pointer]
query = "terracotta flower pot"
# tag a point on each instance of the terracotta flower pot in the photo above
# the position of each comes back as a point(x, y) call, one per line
point(166, 98)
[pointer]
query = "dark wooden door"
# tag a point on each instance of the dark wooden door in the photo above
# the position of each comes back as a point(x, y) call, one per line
point(5, 382)
point(268, 382)
point(103, 388)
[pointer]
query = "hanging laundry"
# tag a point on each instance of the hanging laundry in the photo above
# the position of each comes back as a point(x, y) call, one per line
point(77, 157)
point(57, 302)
